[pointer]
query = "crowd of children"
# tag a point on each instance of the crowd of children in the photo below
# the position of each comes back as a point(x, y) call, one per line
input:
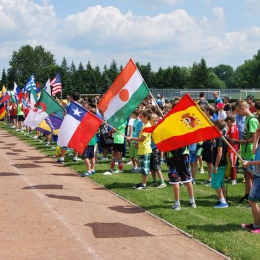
point(238, 123)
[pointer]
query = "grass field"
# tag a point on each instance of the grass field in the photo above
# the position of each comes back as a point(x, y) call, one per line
point(218, 228)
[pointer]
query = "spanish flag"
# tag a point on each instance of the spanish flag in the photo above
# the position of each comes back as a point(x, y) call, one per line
point(185, 124)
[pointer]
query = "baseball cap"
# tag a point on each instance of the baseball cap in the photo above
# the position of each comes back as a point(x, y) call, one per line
point(220, 105)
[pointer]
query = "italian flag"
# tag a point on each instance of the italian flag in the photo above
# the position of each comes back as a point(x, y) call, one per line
point(124, 95)
point(44, 107)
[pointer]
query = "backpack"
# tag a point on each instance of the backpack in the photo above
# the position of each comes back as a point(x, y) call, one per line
point(245, 133)
point(203, 102)
point(178, 152)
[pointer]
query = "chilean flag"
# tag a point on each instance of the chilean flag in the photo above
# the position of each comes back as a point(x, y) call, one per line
point(78, 127)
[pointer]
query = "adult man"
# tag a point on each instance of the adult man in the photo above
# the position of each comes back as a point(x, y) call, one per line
point(217, 99)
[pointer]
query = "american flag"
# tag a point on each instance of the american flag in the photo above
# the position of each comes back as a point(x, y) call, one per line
point(56, 85)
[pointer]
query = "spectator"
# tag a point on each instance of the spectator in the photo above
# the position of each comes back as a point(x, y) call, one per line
point(250, 102)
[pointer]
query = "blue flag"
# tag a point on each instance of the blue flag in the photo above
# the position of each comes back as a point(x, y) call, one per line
point(30, 84)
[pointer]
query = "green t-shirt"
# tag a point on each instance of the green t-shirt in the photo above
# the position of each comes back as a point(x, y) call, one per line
point(93, 140)
point(20, 109)
point(251, 125)
point(118, 138)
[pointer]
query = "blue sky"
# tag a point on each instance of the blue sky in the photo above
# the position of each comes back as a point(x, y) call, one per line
point(162, 32)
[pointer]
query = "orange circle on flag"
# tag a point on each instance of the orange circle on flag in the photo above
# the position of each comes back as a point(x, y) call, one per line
point(124, 94)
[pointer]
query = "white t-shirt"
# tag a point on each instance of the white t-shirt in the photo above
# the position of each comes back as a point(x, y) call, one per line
point(130, 124)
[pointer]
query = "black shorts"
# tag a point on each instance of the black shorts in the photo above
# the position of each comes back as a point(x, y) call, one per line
point(118, 147)
point(89, 152)
point(20, 118)
point(155, 161)
point(179, 169)
point(207, 155)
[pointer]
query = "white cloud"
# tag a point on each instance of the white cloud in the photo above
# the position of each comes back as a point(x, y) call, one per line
point(101, 34)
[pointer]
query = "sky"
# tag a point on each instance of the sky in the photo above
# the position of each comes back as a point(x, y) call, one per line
point(165, 33)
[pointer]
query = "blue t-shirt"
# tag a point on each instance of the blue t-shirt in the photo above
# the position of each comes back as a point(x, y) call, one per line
point(257, 158)
point(137, 127)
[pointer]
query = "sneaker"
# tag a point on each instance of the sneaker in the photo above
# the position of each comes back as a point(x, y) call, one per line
point(35, 137)
point(17, 130)
point(93, 171)
point(202, 171)
point(206, 182)
point(139, 186)
point(71, 154)
point(162, 161)
point(111, 170)
point(119, 171)
point(133, 170)
point(47, 144)
point(247, 226)
point(193, 205)
point(103, 158)
point(153, 184)
point(234, 182)
point(193, 182)
point(221, 206)
point(60, 161)
point(78, 159)
point(176, 207)
point(162, 185)
point(255, 231)
point(130, 162)
point(86, 174)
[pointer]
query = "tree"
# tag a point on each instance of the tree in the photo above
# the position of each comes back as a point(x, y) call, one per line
point(3, 80)
point(226, 74)
point(28, 60)
point(199, 78)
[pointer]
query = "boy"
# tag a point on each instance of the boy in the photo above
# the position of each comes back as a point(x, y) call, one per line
point(251, 125)
point(254, 196)
point(179, 171)
point(133, 149)
point(144, 148)
point(219, 166)
point(118, 148)
point(155, 163)
point(232, 133)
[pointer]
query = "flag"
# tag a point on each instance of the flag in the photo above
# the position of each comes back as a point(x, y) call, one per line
point(45, 106)
point(30, 84)
point(185, 124)
point(77, 128)
point(47, 87)
point(17, 92)
point(2, 110)
point(49, 124)
point(5, 97)
point(56, 84)
point(124, 95)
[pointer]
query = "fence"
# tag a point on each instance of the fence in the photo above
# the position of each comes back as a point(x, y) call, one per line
point(234, 94)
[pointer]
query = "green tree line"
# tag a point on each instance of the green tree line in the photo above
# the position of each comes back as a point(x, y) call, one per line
point(88, 79)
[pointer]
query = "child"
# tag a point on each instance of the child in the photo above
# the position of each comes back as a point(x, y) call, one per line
point(133, 149)
point(221, 113)
point(179, 171)
point(232, 133)
point(89, 153)
point(144, 148)
point(219, 166)
point(118, 148)
point(254, 196)
point(155, 162)
point(251, 125)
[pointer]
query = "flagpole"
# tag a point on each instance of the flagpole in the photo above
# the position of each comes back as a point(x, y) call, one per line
point(109, 125)
point(229, 145)
point(156, 103)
